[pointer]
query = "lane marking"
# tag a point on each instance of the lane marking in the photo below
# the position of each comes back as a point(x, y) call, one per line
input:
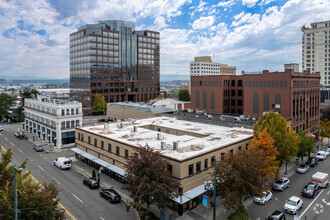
point(77, 198)
point(101, 218)
point(20, 150)
point(59, 204)
point(6, 139)
point(12, 144)
point(311, 203)
point(56, 180)
point(41, 168)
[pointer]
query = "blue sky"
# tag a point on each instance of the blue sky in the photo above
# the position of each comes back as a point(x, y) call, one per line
point(250, 34)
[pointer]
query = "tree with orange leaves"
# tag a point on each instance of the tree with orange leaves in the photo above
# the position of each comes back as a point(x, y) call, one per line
point(264, 143)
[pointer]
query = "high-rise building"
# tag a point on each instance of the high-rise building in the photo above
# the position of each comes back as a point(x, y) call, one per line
point(203, 66)
point(111, 58)
point(316, 50)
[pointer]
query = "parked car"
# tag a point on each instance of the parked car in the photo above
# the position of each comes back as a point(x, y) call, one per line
point(266, 196)
point(38, 147)
point(302, 169)
point(281, 184)
point(111, 195)
point(1, 128)
point(293, 205)
point(62, 163)
point(276, 215)
point(312, 162)
point(91, 183)
point(310, 190)
point(321, 155)
point(327, 151)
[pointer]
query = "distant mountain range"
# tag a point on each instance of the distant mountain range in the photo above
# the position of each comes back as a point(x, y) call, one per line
point(29, 79)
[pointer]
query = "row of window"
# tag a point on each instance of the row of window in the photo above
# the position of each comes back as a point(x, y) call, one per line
point(204, 64)
point(148, 40)
point(153, 46)
point(53, 111)
point(84, 49)
point(96, 65)
point(268, 84)
point(93, 39)
point(95, 52)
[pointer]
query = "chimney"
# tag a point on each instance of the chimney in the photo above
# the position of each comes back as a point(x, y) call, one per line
point(163, 145)
point(159, 136)
point(175, 145)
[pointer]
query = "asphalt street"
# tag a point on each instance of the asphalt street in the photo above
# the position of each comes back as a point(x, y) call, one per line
point(317, 208)
point(79, 201)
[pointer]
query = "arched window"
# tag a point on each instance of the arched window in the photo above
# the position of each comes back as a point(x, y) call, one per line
point(266, 102)
point(255, 103)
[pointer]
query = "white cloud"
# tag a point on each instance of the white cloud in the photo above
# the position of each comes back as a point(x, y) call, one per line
point(265, 2)
point(249, 3)
point(159, 23)
point(226, 4)
point(203, 22)
point(246, 19)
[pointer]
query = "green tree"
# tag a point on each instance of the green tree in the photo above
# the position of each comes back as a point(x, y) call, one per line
point(184, 95)
point(306, 145)
point(6, 102)
point(286, 141)
point(324, 129)
point(148, 179)
point(99, 105)
point(34, 202)
point(241, 176)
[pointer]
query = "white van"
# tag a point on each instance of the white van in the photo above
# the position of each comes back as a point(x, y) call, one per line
point(321, 155)
point(209, 116)
point(62, 163)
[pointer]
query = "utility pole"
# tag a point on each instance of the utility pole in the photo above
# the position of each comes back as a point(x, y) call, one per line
point(215, 189)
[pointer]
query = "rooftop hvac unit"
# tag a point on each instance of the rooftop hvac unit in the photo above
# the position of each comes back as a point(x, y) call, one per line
point(163, 145)
point(159, 136)
point(175, 145)
point(120, 125)
point(134, 128)
point(105, 125)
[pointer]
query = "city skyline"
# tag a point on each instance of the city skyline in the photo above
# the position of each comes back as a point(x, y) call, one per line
point(250, 34)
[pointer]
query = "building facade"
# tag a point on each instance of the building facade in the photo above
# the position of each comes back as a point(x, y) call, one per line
point(316, 50)
point(203, 66)
point(53, 120)
point(113, 59)
point(189, 149)
point(295, 95)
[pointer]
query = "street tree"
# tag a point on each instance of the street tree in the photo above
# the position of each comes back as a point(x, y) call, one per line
point(184, 95)
point(286, 140)
point(6, 102)
point(325, 113)
point(148, 179)
point(306, 145)
point(240, 177)
point(324, 129)
point(99, 105)
point(264, 143)
point(34, 201)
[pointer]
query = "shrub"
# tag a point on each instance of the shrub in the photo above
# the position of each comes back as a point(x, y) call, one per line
point(242, 214)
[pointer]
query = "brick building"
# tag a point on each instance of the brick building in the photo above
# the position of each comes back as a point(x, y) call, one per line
point(295, 95)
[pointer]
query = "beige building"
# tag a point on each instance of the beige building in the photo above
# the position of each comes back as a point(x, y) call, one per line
point(188, 147)
point(203, 66)
point(316, 50)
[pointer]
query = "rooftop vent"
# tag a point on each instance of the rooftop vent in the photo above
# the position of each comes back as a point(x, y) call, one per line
point(120, 125)
point(134, 128)
point(159, 136)
point(175, 145)
point(105, 125)
point(163, 145)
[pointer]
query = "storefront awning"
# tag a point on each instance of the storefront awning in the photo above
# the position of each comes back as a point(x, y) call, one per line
point(190, 194)
point(103, 163)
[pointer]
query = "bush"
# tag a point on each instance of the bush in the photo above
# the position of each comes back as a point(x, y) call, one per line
point(242, 214)
point(143, 212)
point(94, 174)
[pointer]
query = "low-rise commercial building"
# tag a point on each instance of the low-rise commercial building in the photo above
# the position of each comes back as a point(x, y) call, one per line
point(189, 149)
point(203, 66)
point(53, 120)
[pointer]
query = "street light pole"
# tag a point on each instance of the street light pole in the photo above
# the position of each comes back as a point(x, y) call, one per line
point(215, 189)
point(15, 193)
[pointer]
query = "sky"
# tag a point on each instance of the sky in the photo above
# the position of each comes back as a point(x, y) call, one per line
point(252, 35)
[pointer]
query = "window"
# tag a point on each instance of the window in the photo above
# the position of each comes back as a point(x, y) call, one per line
point(117, 151)
point(212, 160)
point(206, 163)
point(78, 136)
point(89, 140)
point(72, 111)
point(169, 168)
point(126, 154)
point(102, 145)
point(233, 83)
point(167, 131)
point(62, 112)
point(240, 92)
point(232, 92)
point(95, 142)
point(191, 169)
point(109, 148)
point(82, 137)
point(198, 167)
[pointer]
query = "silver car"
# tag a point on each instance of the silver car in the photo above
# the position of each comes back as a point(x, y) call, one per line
point(281, 184)
point(302, 169)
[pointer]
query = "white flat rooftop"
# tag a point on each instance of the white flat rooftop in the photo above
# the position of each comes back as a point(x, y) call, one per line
point(215, 136)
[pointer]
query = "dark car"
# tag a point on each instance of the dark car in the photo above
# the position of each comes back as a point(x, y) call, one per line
point(111, 195)
point(312, 162)
point(38, 147)
point(276, 215)
point(310, 190)
point(91, 183)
